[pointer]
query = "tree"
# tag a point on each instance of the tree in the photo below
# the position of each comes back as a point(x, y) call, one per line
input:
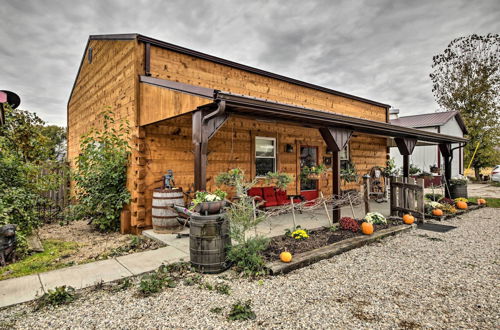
point(466, 78)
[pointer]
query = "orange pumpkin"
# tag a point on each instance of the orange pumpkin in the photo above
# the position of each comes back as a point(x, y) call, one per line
point(481, 201)
point(285, 256)
point(461, 205)
point(437, 212)
point(408, 219)
point(367, 228)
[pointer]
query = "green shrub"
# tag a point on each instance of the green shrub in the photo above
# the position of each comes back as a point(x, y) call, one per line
point(247, 257)
point(101, 174)
point(59, 296)
point(223, 288)
point(433, 197)
point(241, 311)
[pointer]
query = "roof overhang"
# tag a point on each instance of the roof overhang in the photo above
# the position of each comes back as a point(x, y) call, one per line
point(266, 109)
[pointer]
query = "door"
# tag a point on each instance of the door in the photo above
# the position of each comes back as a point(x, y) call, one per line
point(309, 158)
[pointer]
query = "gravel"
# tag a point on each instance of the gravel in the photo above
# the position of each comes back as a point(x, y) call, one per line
point(420, 279)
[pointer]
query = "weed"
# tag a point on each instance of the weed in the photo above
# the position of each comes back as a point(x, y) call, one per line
point(216, 310)
point(123, 285)
point(99, 285)
point(334, 228)
point(59, 296)
point(154, 283)
point(223, 288)
point(241, 311)
point(206, 286)
point(192, 280)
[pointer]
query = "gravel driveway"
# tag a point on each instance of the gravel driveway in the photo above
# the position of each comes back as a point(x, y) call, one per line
point(414, 280)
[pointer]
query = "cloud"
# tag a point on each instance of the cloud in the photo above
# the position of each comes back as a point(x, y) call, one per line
point(380, 50)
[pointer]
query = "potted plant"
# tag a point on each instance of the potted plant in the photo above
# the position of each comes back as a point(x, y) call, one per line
point(349, 174)
point(434, 169)
point(313, 172)
point(458, 187)
point(209, 203)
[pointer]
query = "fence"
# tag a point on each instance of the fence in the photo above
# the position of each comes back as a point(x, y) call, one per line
point(56, 198)
point(407, 197)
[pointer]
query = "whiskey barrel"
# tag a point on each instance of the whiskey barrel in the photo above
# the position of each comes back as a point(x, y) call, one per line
point(208, 242)
point(163, 214)
point(458, 190)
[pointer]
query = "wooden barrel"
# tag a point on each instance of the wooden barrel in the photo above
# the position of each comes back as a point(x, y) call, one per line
point(163, 214)
point(208, 242)
point(458, 190)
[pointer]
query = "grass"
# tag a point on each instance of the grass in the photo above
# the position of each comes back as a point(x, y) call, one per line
point(50, 259)
point(491, 202)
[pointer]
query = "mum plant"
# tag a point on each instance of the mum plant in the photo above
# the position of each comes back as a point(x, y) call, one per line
point(204, 196)
point(375, 218)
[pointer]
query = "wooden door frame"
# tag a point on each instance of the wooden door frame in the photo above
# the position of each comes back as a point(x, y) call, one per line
point(319, 155)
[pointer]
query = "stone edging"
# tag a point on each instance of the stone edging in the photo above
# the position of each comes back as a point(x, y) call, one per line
point(307, 258)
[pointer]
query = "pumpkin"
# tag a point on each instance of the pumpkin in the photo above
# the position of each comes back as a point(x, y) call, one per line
point(408, 219)
point(367, 228)
point(481, 201)
point(285, 256)
point(461, 205)
point(437, 212)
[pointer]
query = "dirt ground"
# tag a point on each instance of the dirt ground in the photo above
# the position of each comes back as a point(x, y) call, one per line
point(93, 245)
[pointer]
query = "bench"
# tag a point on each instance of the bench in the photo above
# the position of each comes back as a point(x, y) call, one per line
point(271, 196)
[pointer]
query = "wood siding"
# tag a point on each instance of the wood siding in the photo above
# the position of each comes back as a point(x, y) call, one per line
point(158, 103)
point(166, 64)
point(169, 146)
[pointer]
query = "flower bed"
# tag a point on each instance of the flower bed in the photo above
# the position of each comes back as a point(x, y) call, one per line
point(471, 207)
point(318, 237)
point(448, 208)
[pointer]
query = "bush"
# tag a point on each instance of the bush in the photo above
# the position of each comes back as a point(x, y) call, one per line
point(101, 174)
point(350, 224)
point(433, 197)
point(59, 296)
point(242, 311)
point(246, 256)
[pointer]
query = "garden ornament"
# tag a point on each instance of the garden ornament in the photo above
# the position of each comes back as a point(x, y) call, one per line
point(7, 243)
point(168, 180)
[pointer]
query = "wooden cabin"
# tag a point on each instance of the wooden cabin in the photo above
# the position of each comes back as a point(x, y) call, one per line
point(200, 115)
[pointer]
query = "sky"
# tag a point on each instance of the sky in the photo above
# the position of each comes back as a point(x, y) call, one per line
point(379, 49)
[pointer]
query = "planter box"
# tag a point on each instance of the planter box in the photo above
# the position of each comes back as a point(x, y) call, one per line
point(307, 258)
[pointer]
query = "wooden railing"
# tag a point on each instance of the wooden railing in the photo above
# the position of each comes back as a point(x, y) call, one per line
point(407, 197)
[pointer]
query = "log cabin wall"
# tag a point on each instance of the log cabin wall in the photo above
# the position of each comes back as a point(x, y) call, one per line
point(169, 146)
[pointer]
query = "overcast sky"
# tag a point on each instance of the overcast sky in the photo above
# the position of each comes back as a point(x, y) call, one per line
point(381, 50)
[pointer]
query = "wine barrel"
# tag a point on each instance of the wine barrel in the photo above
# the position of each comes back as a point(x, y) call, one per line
point(163, 214)
point(208, 242)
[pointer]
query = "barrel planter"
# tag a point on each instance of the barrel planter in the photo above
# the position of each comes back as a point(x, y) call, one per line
point(208, 242)
point(458, 190)
point(164, 216)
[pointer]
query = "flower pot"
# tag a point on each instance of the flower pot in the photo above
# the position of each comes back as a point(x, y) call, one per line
point(458, 190)
point(210, 207)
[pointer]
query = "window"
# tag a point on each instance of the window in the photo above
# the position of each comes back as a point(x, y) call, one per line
point(265, 155)
point(344, 157)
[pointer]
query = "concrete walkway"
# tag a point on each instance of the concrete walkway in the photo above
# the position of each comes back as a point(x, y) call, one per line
point(27, 288)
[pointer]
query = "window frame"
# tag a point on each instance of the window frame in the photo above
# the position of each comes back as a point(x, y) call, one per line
point(275, 154)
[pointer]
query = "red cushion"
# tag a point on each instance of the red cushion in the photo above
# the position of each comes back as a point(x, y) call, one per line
point(269, 196)
point(255, 192)
point(281, 197)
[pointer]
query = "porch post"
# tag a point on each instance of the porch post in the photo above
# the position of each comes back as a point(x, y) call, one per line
point(445, 149)
point(336, 139)
point(406, 146)
point(204, 126)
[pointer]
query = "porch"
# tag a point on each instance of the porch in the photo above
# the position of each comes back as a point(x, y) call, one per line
point(221, 132)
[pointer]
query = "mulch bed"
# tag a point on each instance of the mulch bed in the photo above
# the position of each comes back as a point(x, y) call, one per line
point(471, 207)
point(317, 238)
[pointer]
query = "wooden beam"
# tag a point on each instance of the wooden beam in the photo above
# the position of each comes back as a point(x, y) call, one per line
point(445, 149)
point(406, 145)
point(336, 139)
point(205, 123)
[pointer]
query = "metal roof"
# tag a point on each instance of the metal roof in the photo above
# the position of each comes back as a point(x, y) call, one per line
point(430, 120)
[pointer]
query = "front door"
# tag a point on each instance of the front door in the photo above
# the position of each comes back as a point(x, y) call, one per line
point(309, 158)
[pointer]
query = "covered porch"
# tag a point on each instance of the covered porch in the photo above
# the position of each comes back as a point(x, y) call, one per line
point(215, 109)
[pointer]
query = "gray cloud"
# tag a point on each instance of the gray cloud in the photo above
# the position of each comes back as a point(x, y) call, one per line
point(380, 50)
